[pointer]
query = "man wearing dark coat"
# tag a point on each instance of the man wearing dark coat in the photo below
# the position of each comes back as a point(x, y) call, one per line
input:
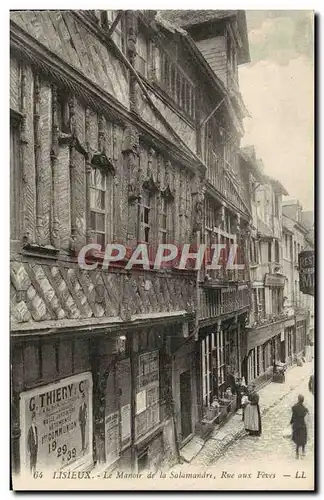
point(299, 429)
point(32, 444)
point(311, 385)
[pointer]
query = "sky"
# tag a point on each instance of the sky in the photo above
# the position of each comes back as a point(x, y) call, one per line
point(277, 88)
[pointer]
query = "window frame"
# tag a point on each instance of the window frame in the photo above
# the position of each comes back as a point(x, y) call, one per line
point(146, 208)
point(107, 198)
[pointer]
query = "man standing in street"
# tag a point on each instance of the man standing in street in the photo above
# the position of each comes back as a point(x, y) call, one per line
point(311, 384)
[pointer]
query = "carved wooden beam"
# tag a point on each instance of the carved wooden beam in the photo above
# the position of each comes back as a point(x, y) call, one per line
point(39, 167)
point(88, 175)
point(54, 159)
point(73, 177)
point(27, 237)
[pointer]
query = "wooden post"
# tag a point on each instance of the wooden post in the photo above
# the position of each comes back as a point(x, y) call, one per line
point(133, 399)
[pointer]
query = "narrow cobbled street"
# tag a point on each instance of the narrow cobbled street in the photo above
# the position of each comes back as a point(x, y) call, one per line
point(271, 446)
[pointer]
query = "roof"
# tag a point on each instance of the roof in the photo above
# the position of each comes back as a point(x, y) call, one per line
point(248, 155)
point(213, 77)
point(191, 18)
point(308, 218)
point(186, 18)
point(277, 186)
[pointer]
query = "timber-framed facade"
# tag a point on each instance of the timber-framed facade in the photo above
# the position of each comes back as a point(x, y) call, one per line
point(121, 131)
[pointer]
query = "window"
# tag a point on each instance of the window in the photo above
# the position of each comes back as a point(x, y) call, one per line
point(277, 301)
point(63, 114)
point(220, 361)
point(107, 17)
point(277, 252)
point(254, 251)
point(276, 206)
point(173, 81)
point(261, 305)
point(255, 303)
point(163, 227)
point(98, 205)
point(207, 370)
point(15, 175)
point(145, 207)
point(142, 55)
point(295, 252)
point(269, 251)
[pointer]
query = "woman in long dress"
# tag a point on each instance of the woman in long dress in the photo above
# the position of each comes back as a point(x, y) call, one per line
point(299, 429)
point(252, 415)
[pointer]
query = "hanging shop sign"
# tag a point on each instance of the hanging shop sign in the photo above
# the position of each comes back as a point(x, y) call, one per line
point(306, 262)
point(56, 425)
point(274, 280)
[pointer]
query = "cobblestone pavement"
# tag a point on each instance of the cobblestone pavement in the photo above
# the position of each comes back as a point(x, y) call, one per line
point(271, 446)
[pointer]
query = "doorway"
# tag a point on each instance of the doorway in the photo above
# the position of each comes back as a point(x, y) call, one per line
point(185, 404)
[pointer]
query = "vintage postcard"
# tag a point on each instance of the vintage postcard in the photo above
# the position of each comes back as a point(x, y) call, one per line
point(162, 250)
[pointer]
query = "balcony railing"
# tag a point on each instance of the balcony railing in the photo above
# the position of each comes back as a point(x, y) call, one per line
point(214, 303)
point(216, 277)
point(219, 179)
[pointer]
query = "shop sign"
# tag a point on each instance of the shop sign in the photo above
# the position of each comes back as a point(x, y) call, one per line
point(56, 425)
point(147, 396)
point(112, 437)
point(274, 280)
point(307, 271)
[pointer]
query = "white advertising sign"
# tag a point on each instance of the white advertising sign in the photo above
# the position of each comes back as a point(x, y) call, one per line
point(56, 425)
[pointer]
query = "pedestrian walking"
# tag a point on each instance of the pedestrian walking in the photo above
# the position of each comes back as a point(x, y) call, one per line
point(252, 415)
point(299, 428)
point(311, 384)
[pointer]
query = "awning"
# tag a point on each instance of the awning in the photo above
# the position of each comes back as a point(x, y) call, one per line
point(260, 335)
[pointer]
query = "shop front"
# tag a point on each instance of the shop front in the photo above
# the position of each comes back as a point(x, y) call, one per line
point(266, 347)
point(220, 361)
point(184, 379)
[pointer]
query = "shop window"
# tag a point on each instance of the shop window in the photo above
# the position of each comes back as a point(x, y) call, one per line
point(220, 361)
point(100, 202)
point(15, 178)
point(206, 370)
